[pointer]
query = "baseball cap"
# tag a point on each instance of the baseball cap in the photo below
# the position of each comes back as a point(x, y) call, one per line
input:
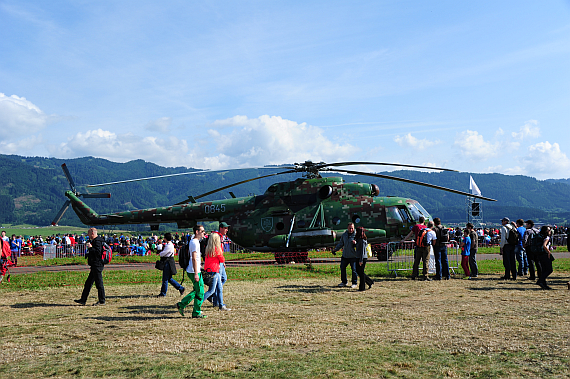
point(506, 219)
point(224, 225)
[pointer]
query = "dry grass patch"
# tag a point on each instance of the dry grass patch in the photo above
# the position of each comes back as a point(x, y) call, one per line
point(294, 328)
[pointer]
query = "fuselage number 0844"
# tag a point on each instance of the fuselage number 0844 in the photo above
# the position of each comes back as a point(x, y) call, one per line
point(214, 208)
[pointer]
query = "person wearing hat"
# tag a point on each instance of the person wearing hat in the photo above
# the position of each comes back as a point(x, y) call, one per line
point(507, 250)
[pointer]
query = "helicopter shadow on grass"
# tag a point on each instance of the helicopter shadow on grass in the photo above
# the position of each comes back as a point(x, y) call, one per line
point(142, 313)
point(40, 305)
point(132, 318)
point(306, 288)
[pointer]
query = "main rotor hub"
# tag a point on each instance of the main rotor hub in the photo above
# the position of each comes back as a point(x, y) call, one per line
point(309, 169)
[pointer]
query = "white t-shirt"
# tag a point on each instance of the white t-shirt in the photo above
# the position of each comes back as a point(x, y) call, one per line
point(431, 236)
point(194, 246)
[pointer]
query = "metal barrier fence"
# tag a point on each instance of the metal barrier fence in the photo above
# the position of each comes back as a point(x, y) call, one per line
point(64, 251)
point(401, 257)
point(232, 247)
point(559, 240)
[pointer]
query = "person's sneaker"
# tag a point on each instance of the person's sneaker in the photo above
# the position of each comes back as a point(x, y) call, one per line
point(160, 295)
point(532, 278)
point(546, 287)
point(98, 303)
point(426, 279)
point(354, 286)
point(80, 302)
point(413, 277)
point(180, 308)
point(201, 315)
point(342, 285)
point(182, 291)
point(224, 308)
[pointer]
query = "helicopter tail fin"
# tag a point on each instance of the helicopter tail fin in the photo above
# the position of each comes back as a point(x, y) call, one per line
point(87, 215)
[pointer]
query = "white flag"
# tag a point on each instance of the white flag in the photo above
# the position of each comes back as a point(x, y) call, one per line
point(473, 187)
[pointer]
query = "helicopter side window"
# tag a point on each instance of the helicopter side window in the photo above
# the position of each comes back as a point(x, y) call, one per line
point(393, 215)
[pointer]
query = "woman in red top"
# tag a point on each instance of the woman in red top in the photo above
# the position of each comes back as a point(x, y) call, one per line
point(215, 256)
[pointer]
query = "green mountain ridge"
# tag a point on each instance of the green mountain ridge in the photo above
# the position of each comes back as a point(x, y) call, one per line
point(32, 189)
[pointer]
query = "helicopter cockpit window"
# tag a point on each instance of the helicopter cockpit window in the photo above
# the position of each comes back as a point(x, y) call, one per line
point(423, 211)
point(336, 220)
point(393, 215)
point(356, 219)
point(404, 213)
point(417, 210)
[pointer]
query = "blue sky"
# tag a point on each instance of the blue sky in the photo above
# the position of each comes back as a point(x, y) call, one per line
point(475, 86)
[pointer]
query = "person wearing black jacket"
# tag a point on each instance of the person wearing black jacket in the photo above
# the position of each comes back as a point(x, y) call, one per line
point(95, 261)
point(361, 243)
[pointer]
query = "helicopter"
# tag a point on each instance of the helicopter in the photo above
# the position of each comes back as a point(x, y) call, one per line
point(290, 218)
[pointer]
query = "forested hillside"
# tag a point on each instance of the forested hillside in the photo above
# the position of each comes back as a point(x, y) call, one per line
point(32, 189)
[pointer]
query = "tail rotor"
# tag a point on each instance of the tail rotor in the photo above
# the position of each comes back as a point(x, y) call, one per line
point(99, 195)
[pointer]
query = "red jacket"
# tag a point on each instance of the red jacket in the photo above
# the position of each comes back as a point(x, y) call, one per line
point(6, 253)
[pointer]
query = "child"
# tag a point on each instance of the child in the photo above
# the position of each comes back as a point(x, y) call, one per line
point(465, 248)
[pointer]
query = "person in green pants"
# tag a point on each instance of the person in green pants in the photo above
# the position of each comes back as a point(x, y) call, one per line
point(195, 275)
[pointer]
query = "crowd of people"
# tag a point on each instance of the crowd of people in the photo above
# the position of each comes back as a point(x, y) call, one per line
point(196, 245)
point(525, 249)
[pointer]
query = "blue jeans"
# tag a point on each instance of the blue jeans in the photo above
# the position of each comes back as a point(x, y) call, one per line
point(167, 278)
point(345, 262)
point(216, 288)
point(441, 262)
point(224, 278)
point(521, 259)
point(473, 264)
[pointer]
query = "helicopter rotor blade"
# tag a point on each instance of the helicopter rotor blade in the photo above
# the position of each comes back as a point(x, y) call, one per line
point(384, 164)
point(68, 176)
point(412, 182)
point(99, 195)
point(235, 184)
point(179, 174)
point(61, 213)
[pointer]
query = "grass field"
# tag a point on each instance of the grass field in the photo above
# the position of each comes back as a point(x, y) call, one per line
point(288, 322)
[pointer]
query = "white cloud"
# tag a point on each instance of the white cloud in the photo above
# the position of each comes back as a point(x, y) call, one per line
point(272, 140)
point(122, 147)
point(19, 117)
point(410, 141)
point(236, 142)
point(21, 146)
point(472, 145)
point(161, 125)
point(545, 160)
point(529, 129)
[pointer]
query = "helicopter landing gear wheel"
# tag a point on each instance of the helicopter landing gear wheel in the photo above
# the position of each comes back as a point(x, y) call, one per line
point(381, 251)
point(284, 257)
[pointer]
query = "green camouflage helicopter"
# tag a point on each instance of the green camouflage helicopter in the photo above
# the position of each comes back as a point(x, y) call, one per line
point(290, 218)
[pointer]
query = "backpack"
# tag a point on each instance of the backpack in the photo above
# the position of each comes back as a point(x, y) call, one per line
point(421, 240)
point(184, 257)
point(107, 253)
point(512, 236)
point(536, 241)
point(442, 235)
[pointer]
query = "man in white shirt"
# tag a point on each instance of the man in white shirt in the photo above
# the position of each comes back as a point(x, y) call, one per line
point(195, 275)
